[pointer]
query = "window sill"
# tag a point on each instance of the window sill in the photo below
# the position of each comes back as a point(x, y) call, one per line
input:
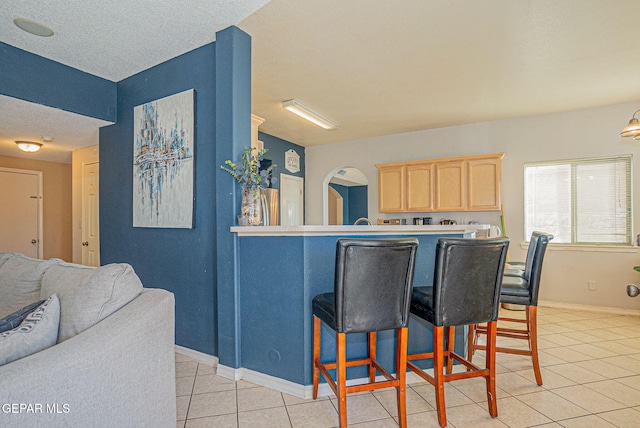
point(589, 248)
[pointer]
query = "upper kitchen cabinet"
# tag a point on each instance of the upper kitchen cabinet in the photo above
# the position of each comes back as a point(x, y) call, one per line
point(465, 183)
point(450, 186)
point(485, 177)
point(391, 188)
point(256, 121)
point(419, 180)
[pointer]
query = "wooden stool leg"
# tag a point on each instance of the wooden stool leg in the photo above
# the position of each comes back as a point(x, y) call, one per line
point(471, 341)
point(438, 373)
point(491, 365)
point(341, 375)
point(401, 374)
point(372, 355)
point(451, 341)
point(532, 327)
point(316, 355)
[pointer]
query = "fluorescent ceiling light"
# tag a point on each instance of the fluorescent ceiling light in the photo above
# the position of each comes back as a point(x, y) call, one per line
point(305, 112)
point(28, 146)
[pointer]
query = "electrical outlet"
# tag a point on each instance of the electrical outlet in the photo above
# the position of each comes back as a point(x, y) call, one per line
point(592, 285)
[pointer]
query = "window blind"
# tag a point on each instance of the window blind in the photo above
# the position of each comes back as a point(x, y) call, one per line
point(585, 201)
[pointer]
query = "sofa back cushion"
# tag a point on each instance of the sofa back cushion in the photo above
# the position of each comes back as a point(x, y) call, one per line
point(20, 281)
point(4, 257)
point(88, 294)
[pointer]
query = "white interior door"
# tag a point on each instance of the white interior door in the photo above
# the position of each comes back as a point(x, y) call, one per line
point(21, 213)
point(90, 215)
point(291, 200)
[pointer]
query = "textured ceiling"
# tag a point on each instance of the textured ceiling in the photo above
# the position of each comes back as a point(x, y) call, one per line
point(373, 66)
point(381, 67)
point(113, 40)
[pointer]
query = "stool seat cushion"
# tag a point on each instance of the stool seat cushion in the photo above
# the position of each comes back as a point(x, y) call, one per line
point(514, 286)
point(514, 272)
point(324, 307)
point(515, 290)
point(422, 302)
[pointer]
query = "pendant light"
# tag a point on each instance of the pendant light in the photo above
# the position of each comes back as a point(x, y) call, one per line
point(633, 128)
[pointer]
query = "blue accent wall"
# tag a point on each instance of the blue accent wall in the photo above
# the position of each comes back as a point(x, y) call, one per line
point(358, 203)
point(179, 260)
point(39, 80)
point(276, 295)
point(354, 202)
point(232, 135)
point(277, 148)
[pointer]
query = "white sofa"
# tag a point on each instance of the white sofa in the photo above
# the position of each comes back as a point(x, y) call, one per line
point(111, 363)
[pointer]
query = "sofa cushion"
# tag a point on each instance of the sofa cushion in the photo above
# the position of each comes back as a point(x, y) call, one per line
point(4, 257)
point(20, 281)
point(88, 294)
point(13, 320)
point(38, 331)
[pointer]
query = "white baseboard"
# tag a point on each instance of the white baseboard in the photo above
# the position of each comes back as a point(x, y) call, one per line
point(589, 308)
point(200, 357)
point(291, 388)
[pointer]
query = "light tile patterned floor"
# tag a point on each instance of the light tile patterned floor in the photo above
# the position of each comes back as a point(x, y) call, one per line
point(591, 374)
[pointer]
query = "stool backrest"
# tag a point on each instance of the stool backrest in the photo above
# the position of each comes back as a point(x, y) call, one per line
point(467, 280)
point(373, 283)
point(533, 269)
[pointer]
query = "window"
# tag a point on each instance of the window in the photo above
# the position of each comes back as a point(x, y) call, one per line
point(585, 201)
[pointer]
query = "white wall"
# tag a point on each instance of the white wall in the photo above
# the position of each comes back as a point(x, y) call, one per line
point(567, 135)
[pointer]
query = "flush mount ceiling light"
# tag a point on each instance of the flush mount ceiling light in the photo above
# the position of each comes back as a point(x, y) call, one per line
point(28, 146)
point(632, 129)
point(33, 27)
point(305, 112)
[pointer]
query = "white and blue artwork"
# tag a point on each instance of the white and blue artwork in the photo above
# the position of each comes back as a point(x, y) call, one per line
point(163, 144)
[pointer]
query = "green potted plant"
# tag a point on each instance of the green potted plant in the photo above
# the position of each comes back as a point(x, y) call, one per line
point(251, 179)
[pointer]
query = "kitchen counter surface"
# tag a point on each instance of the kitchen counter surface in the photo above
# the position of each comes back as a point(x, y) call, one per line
point(319, 230)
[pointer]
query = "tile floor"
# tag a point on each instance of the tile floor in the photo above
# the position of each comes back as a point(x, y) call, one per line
point(590, 368)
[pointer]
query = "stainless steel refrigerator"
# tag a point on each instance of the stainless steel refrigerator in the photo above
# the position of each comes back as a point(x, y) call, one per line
point(270, 207)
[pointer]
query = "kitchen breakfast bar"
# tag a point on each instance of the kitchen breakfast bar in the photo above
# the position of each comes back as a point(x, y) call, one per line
point(281, 269)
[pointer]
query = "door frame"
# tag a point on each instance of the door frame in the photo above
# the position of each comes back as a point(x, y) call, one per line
point(38, 174)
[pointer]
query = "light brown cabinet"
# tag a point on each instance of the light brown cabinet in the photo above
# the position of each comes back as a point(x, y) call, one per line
point(450, 186)
point(465, 183)
point(391, 189)
point(485, 176)
point(419, 187)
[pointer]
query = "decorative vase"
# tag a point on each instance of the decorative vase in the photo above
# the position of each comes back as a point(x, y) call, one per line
point(251, 210)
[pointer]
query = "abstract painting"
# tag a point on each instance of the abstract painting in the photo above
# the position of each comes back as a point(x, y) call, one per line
point(163, 156)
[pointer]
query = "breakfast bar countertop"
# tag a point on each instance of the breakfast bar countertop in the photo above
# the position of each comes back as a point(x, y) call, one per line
point(332, 230)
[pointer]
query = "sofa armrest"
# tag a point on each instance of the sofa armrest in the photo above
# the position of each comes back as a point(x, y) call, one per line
point(119, 372)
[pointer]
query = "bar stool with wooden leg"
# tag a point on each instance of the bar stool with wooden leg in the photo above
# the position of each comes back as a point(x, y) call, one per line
point(520, 287)
point(372, 292)
point(466, 290)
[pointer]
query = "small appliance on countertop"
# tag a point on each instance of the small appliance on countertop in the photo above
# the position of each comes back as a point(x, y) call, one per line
point(392, 221)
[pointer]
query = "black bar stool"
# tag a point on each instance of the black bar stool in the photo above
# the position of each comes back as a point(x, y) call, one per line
point(372, 292)
point(520, 287)
point(466, 290)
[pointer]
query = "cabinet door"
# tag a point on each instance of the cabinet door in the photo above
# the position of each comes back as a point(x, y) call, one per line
point(451, 188)
point(484, 184)
point(391, 189)
point(419, 184)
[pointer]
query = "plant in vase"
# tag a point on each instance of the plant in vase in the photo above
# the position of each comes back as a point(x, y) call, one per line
point(252, 179)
